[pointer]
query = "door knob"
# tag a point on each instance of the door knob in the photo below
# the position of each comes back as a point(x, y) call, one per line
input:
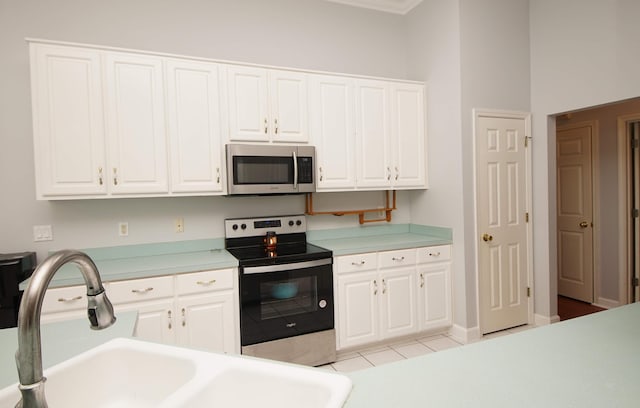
point(487, 237)
point(584, 224)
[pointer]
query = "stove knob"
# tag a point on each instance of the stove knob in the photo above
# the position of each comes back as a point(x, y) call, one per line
point(243, 226)
point(298, 223)
point(234, 227)
point(291, 223)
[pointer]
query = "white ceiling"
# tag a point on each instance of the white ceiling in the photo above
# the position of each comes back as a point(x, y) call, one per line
point(389, 6)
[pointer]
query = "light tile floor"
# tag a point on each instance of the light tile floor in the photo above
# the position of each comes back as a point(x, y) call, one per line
point(379, 355)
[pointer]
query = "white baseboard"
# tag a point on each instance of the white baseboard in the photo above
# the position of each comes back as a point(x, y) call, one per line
point(464, 335)
point(541, 320)
point(606, 303)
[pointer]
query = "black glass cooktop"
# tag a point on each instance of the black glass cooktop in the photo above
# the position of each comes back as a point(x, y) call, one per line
point(283, 253)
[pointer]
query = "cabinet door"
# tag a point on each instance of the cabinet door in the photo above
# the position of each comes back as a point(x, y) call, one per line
point(248, 114)
point(156, 320)
point(67, 121)
point(358, 309)
point(194, 126)
point(398, 311)
point(288, 106)
point(333, 132)
point(372, 130)
point(208, 322)
point(408, 135)
point(435, 295)
point(135, 124)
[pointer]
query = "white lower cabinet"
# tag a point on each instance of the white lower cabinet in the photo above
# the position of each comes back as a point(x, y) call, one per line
point(66, 303)
point(208, 310)
point(434, 289)
point(197, 310)
point(391, 294)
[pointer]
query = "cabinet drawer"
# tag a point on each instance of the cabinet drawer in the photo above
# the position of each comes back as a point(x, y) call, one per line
point(392, 259)
point(356, 263)
point(434, 254)
point(65, 299)
point(136, 290)
point(205, 281)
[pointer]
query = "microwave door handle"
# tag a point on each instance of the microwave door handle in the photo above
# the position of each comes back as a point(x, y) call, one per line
point(295, 171)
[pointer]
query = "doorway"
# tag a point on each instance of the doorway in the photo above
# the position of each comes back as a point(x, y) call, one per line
point(629, 220)
point(576, 146)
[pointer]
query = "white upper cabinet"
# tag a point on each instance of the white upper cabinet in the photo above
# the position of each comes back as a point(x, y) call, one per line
point(136, 124)
point(407, 124)
point(194, 127)
point(267, 105)
point(390, 135)
point(67, 121)
point(373, 134)
point(117, 123)
point(333, 131)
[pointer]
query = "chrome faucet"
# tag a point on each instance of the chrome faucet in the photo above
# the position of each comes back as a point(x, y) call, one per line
point(29, 354)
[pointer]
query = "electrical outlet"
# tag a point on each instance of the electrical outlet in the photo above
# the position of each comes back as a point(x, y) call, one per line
point(179, 224)
point(42, 233)
point(123, 229)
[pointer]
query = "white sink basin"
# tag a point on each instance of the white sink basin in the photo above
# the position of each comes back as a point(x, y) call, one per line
point(133, 373)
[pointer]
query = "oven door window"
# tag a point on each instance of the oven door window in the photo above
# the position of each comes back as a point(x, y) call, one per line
point(262, 170)
point(288, 297)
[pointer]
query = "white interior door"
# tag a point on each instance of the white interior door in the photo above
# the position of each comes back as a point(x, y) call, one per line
point(575, 212)
point(502, 199)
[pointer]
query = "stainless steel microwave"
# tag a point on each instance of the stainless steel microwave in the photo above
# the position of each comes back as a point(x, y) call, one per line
point(268, 169)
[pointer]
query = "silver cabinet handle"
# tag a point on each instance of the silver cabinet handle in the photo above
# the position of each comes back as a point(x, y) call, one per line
point(397, 172)
point(384, 286)
point(375, 287)
point(422, 280)
point(276, 126)
point(388, 173)
point(218, 175)
point(266, 126)
point(207, 283)
point(73, 299)
point(358, 263)
point(100, 176)
point(320, 170)
point(169, 316)
point(184, 318)
point(398, 259)
point(435, 254)
point(115, 176)
point(142, 291)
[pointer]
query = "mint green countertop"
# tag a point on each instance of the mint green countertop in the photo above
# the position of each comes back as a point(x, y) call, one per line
point(592, 361)
point(148, 260)
point(379, 238)
point(61, 341)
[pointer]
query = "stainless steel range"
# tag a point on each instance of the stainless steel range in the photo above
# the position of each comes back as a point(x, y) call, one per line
point(286, 290)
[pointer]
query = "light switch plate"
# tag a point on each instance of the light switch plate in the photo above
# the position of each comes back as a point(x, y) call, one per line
point(42, 233)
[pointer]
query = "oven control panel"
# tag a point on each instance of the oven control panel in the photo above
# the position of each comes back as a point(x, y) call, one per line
point(251, 227)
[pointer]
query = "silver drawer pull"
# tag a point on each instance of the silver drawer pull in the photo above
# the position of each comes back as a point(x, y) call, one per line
point(434, 253)
point(358, 263)
point(398, 259)
point(207, 283)
point(141, 291)
point(73, 299)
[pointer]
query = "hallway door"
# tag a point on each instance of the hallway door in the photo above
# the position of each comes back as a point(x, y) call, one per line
point(575, 211)
point(503, 234)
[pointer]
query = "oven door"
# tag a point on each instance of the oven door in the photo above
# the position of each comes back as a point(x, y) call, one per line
point(285, 300)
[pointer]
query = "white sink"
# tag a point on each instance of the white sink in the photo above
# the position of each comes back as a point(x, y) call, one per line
point(133, 373)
